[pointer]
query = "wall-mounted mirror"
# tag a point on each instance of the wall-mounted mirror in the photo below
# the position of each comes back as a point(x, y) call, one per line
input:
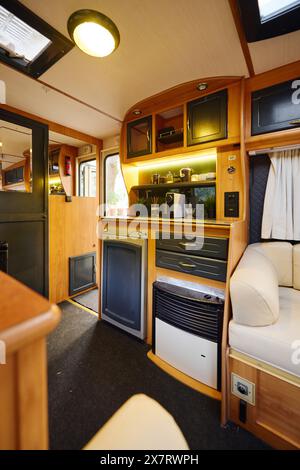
point(72, 166)
point(15, 158)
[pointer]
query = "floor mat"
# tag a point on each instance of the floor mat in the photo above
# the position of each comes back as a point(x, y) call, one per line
point(94, 368)
point(89, 299)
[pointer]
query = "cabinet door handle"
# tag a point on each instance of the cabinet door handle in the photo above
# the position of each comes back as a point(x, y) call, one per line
point(148, 135)
point(188, 124)
point(187, 265)
point(295, 122)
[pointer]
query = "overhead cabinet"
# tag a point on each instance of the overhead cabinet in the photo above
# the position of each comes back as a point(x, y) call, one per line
point(14, 176)
point(276, 108)
point(139, 137)
point(182, 120)
point(207, 118)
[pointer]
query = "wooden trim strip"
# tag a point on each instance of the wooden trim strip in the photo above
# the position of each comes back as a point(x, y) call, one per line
point(183, 378)
point(86, 309)
point(241, 33)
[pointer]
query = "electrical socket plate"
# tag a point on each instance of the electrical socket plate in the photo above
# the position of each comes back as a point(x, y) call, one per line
point(243, 389)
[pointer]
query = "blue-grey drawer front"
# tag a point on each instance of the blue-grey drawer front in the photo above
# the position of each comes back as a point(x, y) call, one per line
point(216, 248)
point(198, 266)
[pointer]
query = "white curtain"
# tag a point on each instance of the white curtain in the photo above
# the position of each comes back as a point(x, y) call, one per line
point(281, 216)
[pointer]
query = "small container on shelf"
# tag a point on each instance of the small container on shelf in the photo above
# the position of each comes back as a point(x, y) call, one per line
point(170, 178)
point(155, 178)
point(162, 180)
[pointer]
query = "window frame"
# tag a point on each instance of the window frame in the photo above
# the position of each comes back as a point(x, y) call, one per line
point(60, 45)
point(79, 163)
point(256, 30)
point(111, 154)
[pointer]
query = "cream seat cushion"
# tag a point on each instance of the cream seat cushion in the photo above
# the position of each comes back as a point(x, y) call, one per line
point(272, 344)
point(296, 260)
point(254, 290)
point(281, 255)
point(140, 424)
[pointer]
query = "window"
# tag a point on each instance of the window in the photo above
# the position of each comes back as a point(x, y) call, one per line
point(268, 9)
point(27, 43)
point(87, 178)
point(18, 39)
point(264, 19)
point(115, 193)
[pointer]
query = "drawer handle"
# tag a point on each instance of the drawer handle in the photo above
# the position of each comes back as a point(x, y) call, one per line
point(296, 122)
point(186, 244)
point(187, 265)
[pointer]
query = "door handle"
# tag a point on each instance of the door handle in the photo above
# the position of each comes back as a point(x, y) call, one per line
point(186, 244)
point(187, 265)
point(295, 122)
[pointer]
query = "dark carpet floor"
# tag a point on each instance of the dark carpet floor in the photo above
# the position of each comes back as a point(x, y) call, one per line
point(89, 299)
point(94, 368)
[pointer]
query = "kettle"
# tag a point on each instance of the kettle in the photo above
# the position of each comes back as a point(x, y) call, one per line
point(185, 174)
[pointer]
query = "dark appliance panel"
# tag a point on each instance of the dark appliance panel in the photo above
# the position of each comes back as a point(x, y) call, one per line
point(122, 282)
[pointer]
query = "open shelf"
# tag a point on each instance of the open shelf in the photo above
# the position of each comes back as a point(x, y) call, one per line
point(169, 129)
point(193, 184)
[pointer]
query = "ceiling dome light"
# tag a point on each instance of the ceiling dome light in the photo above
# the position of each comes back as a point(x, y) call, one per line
point(94, 33)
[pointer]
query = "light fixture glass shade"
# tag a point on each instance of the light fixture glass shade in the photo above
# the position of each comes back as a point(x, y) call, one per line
point(94, 33)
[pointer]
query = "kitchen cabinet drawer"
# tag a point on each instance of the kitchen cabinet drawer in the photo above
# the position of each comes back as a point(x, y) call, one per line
point(203, 267)
point(207, 118)
point(274, 109)
point(216, 248)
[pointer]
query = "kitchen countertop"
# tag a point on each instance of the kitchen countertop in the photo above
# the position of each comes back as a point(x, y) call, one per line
point(208, 222)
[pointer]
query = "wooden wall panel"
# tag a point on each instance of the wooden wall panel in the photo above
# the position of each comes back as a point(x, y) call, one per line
point(227, 182)
point(275, 417)
point(72, 232)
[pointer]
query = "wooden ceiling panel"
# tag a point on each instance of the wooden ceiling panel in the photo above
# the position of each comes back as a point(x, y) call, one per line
point(272, 53)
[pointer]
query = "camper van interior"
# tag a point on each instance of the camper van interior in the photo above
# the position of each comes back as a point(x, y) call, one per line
point(149, 226)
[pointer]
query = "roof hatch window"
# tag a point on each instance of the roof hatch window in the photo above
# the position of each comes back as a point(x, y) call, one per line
point(28, 43)
point(269, 9)
point(265, 19)
point(19, 39)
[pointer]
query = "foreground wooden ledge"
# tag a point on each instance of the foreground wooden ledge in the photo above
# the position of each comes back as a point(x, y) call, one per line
point(25, 320)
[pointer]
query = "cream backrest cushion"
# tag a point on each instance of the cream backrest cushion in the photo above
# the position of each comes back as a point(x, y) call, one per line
point(296, 266)
point(281, 255)
point(254, 290)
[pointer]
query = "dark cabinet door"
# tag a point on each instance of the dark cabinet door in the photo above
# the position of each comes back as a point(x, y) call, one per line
point(121, 283)
point(275, 108)
point(139, 137)
point(207, 118)
point(24, 214)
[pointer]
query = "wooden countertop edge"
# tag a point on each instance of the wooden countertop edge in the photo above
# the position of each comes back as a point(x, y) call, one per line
point(160, 221)
point(18, 336)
